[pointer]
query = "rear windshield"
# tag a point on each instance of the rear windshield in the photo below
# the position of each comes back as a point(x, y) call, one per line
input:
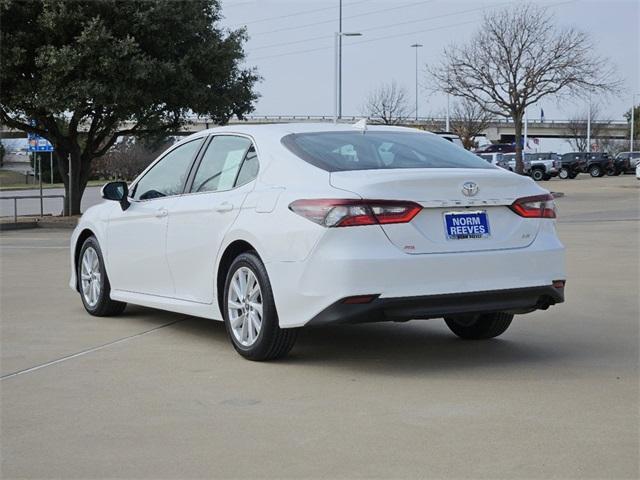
point(342, 151)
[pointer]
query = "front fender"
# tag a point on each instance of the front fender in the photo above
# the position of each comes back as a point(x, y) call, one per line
point(93, 222)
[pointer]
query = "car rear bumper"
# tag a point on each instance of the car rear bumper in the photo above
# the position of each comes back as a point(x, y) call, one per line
point(362, 261)
point(515, 300)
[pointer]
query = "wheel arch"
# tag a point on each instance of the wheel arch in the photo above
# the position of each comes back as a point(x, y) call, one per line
point(82, 237)
point(538, 168)
point(232, 250)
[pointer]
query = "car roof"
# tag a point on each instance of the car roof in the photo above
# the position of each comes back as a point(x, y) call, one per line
point(282, 129)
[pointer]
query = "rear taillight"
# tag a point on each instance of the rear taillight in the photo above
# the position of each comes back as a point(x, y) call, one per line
point(350, 213)
point(538, 206)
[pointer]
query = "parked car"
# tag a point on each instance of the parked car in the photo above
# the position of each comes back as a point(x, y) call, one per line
point(510, 158)
point(595, 164)
point(496, 159)
point(274, 227)
point(452, 137)
point(619, 165)
point(571, 164)
point(632, 159)
point(496, 147)
point(638, 170)
point(598, 163)
point(543, 165)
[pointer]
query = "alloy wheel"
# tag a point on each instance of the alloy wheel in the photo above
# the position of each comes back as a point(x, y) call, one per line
point(91, 277)
point(244, 307)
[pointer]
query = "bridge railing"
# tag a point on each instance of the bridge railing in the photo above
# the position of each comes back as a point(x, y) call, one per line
point(30, 197)
point(354, 118)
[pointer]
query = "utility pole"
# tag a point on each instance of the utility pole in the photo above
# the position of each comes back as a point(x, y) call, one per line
point(340, 61)
point(447, 126)
point(589, 125)
point(338, 65)
point(39, 157)
point(633, 110)
point(526, 131)
point(70, 189)
point(416, 46)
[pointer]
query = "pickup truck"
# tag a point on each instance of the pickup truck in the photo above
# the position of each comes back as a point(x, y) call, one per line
point(496, 159)
point(539, 166)
point(627, 161)
point(571, 164)
point(598, 164)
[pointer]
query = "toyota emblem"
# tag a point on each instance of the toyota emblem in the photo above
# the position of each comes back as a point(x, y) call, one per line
point(469, 189)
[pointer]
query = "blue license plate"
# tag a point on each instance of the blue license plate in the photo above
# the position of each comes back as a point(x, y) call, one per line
point(461, 225)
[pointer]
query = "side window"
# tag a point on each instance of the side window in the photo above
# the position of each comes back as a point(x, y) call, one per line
point(167, 177)
point(249, 168)
point(220, 163)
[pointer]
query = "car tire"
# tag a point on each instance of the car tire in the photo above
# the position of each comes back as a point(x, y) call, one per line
point(93, 282)
point(563, 173)
point(595, 171)
point(250, 315)
point(537, 174)
point(479, 326)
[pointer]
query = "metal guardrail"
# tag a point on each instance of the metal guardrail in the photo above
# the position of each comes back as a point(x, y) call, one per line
point(30, 197)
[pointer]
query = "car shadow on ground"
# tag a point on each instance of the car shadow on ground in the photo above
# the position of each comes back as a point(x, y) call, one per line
point(395, 348)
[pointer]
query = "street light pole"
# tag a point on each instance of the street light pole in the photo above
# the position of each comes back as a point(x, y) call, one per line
point(447, 126)
point(340, 61)
point(633, 110)
point(589, 126)
point(338, 75)
point(416, 46)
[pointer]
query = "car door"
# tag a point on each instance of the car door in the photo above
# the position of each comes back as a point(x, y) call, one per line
point(198, 221)
point(136, 237)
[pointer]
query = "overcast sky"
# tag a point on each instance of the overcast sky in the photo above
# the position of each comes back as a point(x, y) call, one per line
point(302, 83)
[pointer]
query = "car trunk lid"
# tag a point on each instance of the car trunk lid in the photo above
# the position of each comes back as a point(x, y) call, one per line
point(440, 193)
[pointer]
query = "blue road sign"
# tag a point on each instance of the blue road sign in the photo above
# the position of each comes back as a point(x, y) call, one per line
point(38, 144)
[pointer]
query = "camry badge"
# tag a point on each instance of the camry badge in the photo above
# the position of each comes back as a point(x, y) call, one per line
point(469, 189)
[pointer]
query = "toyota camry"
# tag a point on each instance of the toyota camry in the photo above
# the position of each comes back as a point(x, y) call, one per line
point(270, 228)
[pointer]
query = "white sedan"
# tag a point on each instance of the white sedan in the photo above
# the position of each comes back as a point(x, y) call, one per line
point(274, 227)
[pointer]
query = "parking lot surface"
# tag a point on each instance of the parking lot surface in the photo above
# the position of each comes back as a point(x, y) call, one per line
point(151, 394)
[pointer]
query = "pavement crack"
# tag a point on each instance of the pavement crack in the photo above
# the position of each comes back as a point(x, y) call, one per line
point(88, 350)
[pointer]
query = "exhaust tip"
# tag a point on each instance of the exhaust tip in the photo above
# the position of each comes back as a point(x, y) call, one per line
point(558, 283)
point(359, 299)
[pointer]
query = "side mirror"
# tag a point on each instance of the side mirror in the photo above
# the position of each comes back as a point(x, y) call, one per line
point(118, 192)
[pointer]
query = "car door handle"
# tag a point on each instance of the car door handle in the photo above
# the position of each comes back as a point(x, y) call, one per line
point(224, 207)
point(162, 212)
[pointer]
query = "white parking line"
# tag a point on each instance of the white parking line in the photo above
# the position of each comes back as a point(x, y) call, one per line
point(36, 247)
point(89, 350)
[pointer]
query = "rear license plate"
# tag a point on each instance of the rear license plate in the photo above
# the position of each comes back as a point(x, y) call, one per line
point(459, 225)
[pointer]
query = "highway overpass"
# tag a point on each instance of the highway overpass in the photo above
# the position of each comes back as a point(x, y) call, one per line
point(498, 130)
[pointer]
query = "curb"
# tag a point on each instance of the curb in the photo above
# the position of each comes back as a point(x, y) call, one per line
point(38, 223)
point(17, 226)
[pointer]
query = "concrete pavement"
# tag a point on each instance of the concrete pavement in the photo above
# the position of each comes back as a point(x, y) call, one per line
point(158, 395)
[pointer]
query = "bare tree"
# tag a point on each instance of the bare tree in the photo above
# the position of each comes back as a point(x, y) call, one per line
point(469, 120)
point(519, 57)
point(128, 158)
point(577, 130)
point(613, 146)
point(388, 104)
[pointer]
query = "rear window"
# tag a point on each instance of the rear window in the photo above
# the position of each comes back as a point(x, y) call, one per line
point(342, 151)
